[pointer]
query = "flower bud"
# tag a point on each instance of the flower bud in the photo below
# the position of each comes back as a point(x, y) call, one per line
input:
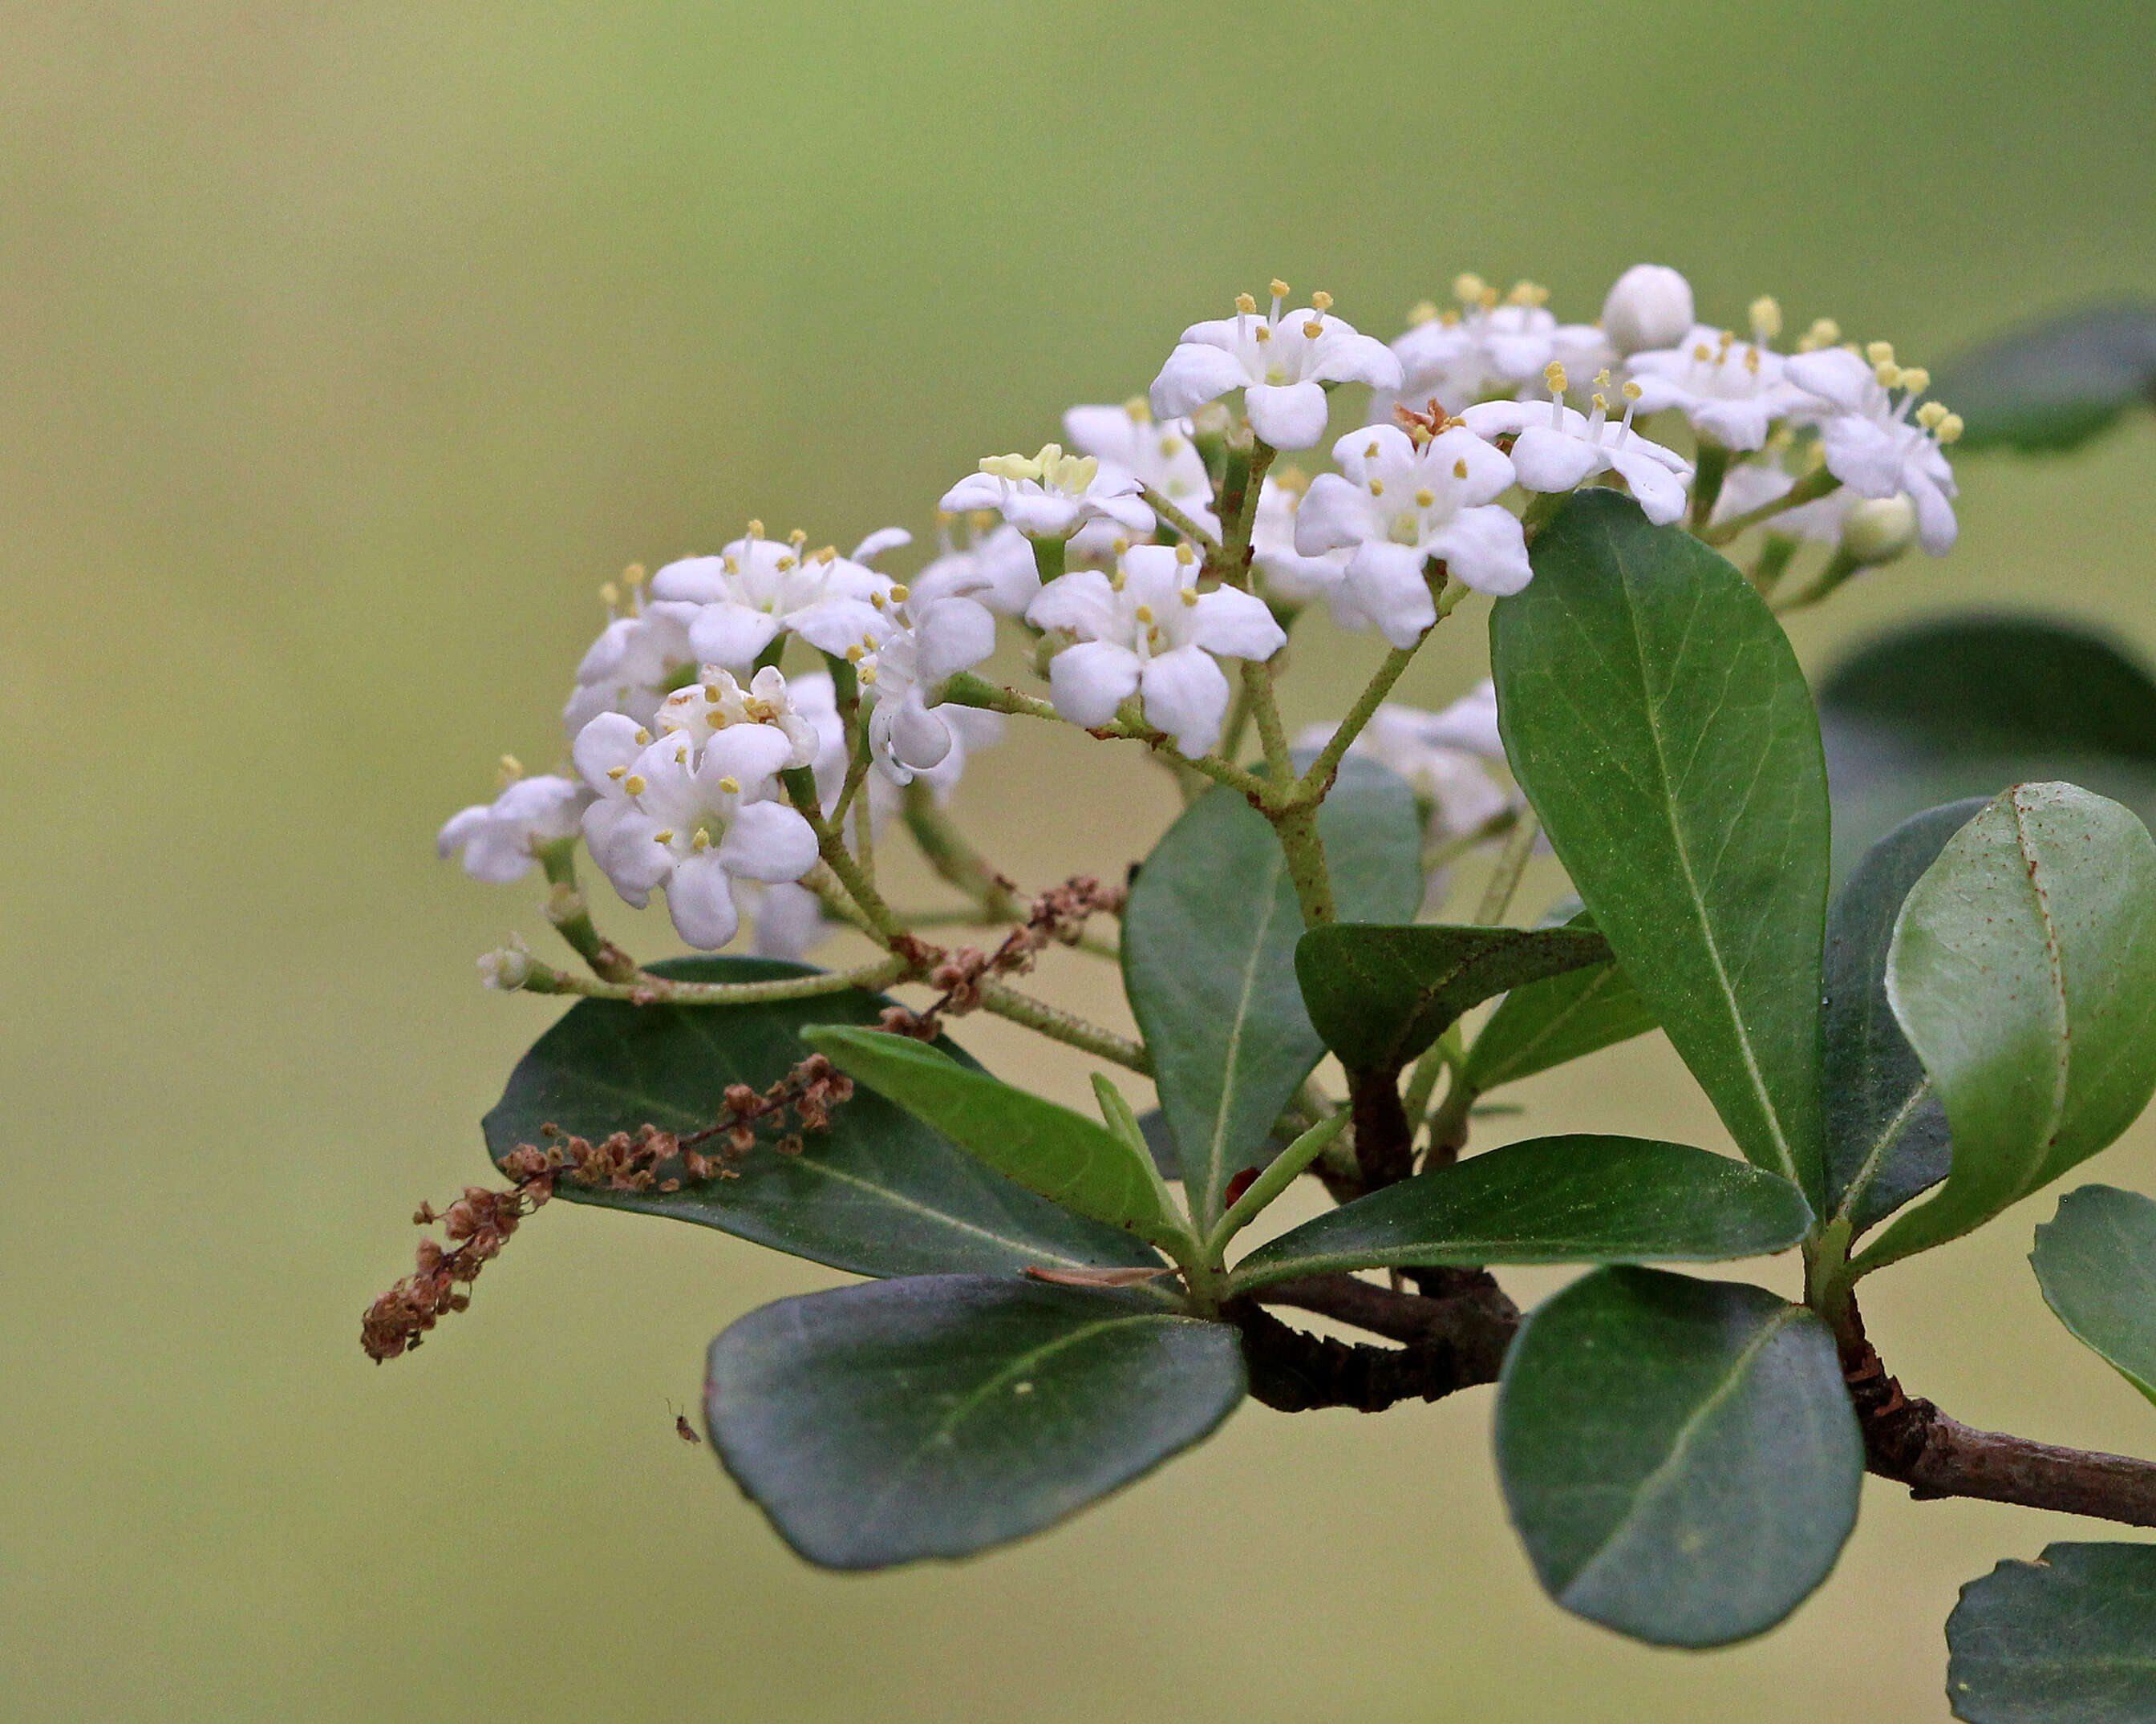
point(505, 968)
point(1649, 308)
point(1877, 529)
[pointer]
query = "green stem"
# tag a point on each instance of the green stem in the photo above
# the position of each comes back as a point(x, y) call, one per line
point(1319, 778)
point(800, 784)
point(648, 990)
point(1809, 489)
point(1512, 864)
point(954, 859)
point(1447, 851)
point(1281, 1172)
point(968, 690)
point(1772, 562)
point(1177, 519)
point(1272, 734)
point(1839, 569)
point(1712, 467)
point(1296, 826)
point(571, 913)
point(1061, 1026)
point(1442, 1055)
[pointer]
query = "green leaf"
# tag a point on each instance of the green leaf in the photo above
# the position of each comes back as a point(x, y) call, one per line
point(1547, 1024)
point(2023, 972)
point(2056, 383)
point(1209, 959)
point(2096, 1261)
point(1379, 995)
point(878, 1195)
point(940, 1415)
point(1886, 1137)
point(1679, 1457)
point(1065, 1157)
point(1576, 1199)
point(1653, 712)
point(1965, 706)
point(2071, 1636)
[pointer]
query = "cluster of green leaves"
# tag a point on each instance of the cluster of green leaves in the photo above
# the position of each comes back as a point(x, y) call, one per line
point(1973, 1013)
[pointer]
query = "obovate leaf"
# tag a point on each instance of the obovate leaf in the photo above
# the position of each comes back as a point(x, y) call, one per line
point(1547, 1024)
point(2056, 383)
point(1065, 1157)
point(940, 1415)
point(878, 1195)
point(1965, 706)
point(1679, 1457)
point(1885, 1131)
point(2070, 1636)
point(2096, 1261)
point(1656, 717)
point(1209, 959)
point(1573, 1199)
point(2023, 972)
point(1379, 995)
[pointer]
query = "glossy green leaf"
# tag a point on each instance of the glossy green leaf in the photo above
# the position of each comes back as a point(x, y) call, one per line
point(2069, 1638)
point(2096, 1261)
point(2056, 383)
point(940, 1415)
point(1679, 1457)
point(1550, 1023)
point(2023, 972)
point(1065, 1157)
point(878, 1195)
point(1965, 706)
point(1575, 1199)
point(1209, 959)
point(1886, 1137)
point(1653, 711)
point(1380, 994)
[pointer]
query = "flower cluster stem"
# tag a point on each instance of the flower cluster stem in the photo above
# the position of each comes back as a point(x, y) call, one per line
point(1809, 489)
point(1511, 865)
point(1067, 1027)
point(645, 989)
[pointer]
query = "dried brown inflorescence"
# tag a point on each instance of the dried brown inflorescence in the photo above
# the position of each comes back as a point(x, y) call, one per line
point(480, 1223)
point(1058, 916)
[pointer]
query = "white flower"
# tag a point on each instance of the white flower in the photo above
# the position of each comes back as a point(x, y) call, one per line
point(787, 920)
point(996, 569)
point(1397, 506)
point(1485, 349)
point(756, 587)
point(631, 664)
point(1148, 630)
point(716, 700)
point(1289, 575)
point(1051, 494)
point(1870, 445)
point(1281, 363)
point(499, 838)
point(1158, 453)
point(1731, 391)
point(690, 819)
point(1649, 307)
point(1555, 449)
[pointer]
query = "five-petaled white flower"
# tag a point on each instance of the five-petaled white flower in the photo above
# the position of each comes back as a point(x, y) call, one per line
point(636, 659)
point(1556, 448)
point(1280, 361)
point(1870, 445)
point(756, 587)
point(715, 702)
point(1397, 506)
point(1148, 630)
point(1051, 494)
point(1485, 348)
point(501, 838)
point(690, 819)
point(995, 567)
point(1731, 391)
point(1158, 453)
point(940, 629)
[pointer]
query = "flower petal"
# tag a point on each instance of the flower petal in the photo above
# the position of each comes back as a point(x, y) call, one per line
point(700, 900)
point(1336, 513)
point(954, 634)
point(695, 580)
point(976, 490)
point(731, 636)
point(1290, 415)
point(1660, 492)
point(1186, 695)
point(607, 741)
point(750, 754)
point(1088, 681)
point(1196, 373)
point(1548, 460)
point(765, 841)
point(1082, 602)
point(1235, 624)
point(1385, 583)
point(1486, 549)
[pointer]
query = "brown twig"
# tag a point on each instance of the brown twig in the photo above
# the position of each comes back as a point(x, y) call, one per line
point(1452, 1343)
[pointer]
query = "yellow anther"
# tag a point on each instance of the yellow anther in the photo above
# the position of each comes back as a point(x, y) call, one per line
point(1321, 300)
point(1116, 581)
point(784, 564)
point(1633, 391)
point(1600, 402)
point(1468, 288)
point(1188, 595)
point(829, 553)
point(1264, 332)
point(878, 600)
point(731, 785)
point(1013, 467)
point(702, 841)
point(756, 529)
point(1766, 315)
point(1370, 450)
point(1139, 408)
point(1949, 429)
point(1931, 414)
point(643, 736)
point(1887, 373)
point(1185, 556)
point(1170, 447)
point(1527, 293)
point(633, 574)
point(681, 755)
point(1313, 328)
point(1825, 332)
point(854, 655)
point(1752, 361)
point(867, 676)
point(1602, 378)
point(1553, 374)
point(512, 768)
point(633, 784)
point(1119, 543)
point(981, 519)
point(1425, 498)
point(1421, 312)
point(1880, 352)
point(1377, 487)
point(1460, 467)
point(1915, 379)
point(1702, 353)
point(1244, 304)
point(665, 835)
point(730, 565)
point(1291, 479)
point(712, 691)
point(617, 773)
point(609, 595)
point(797, 537)
point(1144, 615)
point(1277, 288)
point(899, 592)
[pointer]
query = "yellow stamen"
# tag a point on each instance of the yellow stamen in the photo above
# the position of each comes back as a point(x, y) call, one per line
point(1460, 467)
point(665, 835)
point(1553, 373)
point(1377, 487)
point(1313, 328)
point(1949, 429)
point(617, 773)
point(1916, 378)
point(1189, 595)
point(1277, 288)
point(1245, 304)
point(1880, 352)
point(1425, 498)
point(1421, 312)
point(731, 785)
point(1321, 300)
point(633, 784)
point(1766, 313)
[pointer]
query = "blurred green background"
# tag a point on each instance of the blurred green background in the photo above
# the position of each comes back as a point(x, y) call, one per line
point(349, 347)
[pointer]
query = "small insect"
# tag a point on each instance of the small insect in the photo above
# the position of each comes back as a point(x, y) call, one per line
point(682, 1427)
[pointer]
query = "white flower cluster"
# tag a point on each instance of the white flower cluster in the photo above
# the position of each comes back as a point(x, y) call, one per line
point(1132, 562)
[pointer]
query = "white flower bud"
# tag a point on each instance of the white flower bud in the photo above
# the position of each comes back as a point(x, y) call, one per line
point(1877, 529)
point(1650, 308)
point(506, 968)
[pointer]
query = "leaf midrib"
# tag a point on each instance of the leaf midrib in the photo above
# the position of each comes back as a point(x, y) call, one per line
point(1216, 1149)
